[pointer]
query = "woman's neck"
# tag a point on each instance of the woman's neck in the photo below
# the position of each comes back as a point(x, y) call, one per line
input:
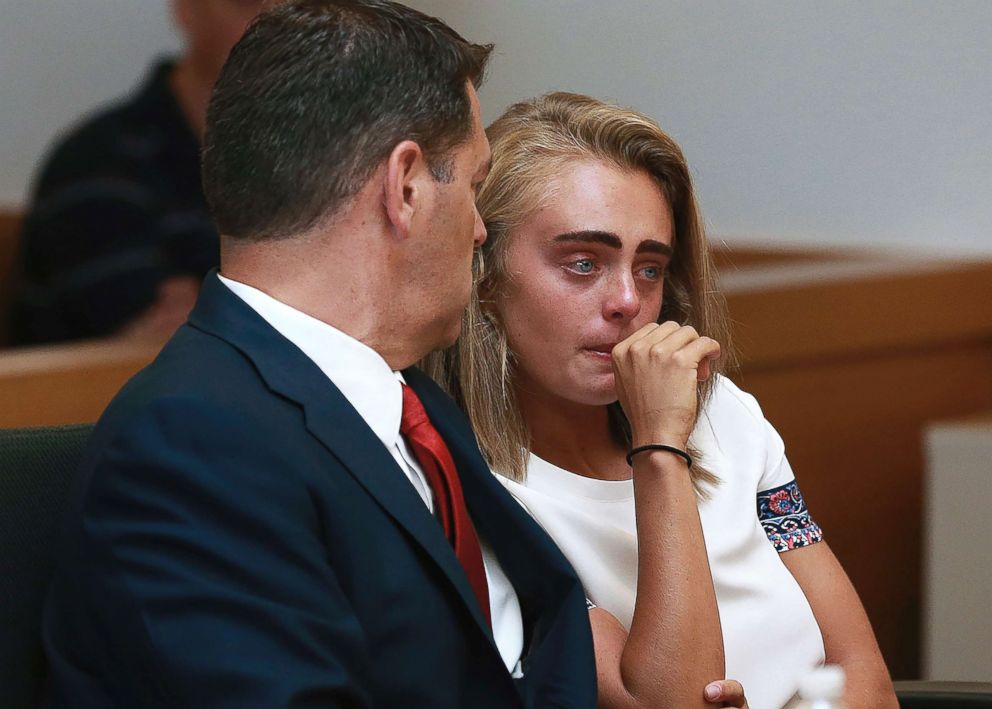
point(574, 437)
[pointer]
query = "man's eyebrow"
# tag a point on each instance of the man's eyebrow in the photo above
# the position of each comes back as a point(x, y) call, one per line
point(613, 241)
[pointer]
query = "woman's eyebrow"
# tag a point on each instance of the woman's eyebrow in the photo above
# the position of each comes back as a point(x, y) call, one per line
point(591, 237)
point(651, 246)
point(594, 236)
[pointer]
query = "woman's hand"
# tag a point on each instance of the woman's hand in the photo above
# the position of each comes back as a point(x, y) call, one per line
point(726, 693)
point(657, 370)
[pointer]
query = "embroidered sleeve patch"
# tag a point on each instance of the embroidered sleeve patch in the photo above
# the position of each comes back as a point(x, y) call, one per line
point(785, 518)
point(590, 605)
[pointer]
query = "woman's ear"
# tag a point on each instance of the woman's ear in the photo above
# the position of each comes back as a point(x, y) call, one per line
point(405, 190)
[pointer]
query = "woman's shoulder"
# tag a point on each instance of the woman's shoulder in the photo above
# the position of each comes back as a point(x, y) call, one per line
point(728, 401)
point(736, 426)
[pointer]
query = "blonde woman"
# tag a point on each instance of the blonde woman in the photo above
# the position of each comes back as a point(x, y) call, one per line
point(590, 366)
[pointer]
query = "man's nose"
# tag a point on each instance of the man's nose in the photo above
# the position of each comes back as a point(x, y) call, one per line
point(623, 302)
point(480, 230)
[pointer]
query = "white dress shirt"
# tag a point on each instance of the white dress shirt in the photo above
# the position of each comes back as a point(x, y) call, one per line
point(375, 391)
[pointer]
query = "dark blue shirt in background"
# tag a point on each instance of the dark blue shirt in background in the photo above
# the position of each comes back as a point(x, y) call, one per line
point(117, 209)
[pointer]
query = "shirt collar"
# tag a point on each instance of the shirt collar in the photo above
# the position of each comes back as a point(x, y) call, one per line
point(360, 372)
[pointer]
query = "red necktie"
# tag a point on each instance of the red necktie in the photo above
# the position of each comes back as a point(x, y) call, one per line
point(435, 459)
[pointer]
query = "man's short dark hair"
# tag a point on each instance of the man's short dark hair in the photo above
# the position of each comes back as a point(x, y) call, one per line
point(316, 95)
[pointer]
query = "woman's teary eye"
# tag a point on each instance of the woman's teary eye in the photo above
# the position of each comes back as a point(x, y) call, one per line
point(583, 265)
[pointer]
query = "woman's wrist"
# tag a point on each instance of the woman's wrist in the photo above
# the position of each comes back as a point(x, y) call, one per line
point(650, 448)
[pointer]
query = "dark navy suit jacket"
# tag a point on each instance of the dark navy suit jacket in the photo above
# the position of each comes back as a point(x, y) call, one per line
point(241, 538)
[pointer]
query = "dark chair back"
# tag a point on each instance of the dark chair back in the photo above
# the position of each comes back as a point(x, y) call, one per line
point(36, 468)
point(944, 695)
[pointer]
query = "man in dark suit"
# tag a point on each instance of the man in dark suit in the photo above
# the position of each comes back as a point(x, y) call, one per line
point(280, 511)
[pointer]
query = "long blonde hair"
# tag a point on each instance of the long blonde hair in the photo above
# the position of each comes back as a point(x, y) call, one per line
point(532, 142)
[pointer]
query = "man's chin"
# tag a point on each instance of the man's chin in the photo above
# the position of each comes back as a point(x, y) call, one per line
point(447, 336)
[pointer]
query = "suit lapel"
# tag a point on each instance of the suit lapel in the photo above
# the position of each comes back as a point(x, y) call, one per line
point(362, 453)
point(540, 574)
point(331, 418)
point(551, 598)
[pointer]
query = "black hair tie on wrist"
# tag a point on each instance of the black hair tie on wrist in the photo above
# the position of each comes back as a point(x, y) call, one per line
point(658, 447)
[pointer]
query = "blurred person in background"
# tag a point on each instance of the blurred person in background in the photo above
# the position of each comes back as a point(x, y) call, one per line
point(118, 236)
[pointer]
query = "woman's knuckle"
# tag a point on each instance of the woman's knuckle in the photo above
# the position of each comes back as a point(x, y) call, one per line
point(659, 351)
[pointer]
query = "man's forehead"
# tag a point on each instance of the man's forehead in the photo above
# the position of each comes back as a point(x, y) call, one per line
point(482, 154)
point(477, 128)
point(476, 110)
point(473, 98)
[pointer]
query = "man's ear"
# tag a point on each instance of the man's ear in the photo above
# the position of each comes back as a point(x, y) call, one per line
point(405, 188)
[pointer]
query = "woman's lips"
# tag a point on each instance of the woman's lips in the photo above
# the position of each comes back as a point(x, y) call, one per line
point(602, 351)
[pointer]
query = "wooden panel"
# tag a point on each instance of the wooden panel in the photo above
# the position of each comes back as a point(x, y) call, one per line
point(10, 232)
point(854, 435)
point(891, 305)
point(850, 364)
point(736, 255)
point(66, 383)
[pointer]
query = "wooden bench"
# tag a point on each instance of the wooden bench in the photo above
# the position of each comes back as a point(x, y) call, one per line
point(59, 384)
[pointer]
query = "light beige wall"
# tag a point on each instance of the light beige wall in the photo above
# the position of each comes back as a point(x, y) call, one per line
point(60, 59)
point(843, 122)
point(957, 625)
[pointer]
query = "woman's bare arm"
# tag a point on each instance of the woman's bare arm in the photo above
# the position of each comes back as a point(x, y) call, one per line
point(847, 635)
point(675, 644)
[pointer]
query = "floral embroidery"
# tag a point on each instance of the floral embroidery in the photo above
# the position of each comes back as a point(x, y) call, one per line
point(781, 503)
point(785, 519)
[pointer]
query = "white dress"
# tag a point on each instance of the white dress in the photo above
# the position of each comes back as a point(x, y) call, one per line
point(771, 638)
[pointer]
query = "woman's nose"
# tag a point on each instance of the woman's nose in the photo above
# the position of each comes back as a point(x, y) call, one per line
point(623, 302)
